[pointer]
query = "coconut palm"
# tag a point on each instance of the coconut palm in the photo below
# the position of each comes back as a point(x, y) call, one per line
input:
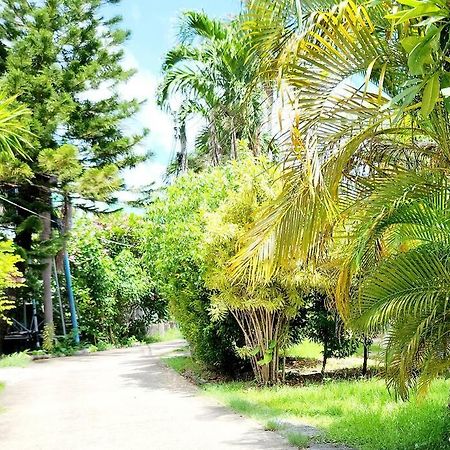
point(369, 93)
point(210, 70)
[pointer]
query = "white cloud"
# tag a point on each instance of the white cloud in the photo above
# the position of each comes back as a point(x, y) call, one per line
point(143, 87)
point(142, 175)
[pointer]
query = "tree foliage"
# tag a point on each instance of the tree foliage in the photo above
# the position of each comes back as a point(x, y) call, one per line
point(211, 69)
point(115, 294)
point(55, 56)
point(176, 224)
point(10, 277)
point(359, 148)
point(263, 311)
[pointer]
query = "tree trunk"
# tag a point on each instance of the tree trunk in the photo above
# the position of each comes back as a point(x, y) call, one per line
point(68, 214)
point(183, 148)
point(325, 357)
point(214, 144)
point(47, 273)
point(234, 151)
point(269, 109)
point(366, 355)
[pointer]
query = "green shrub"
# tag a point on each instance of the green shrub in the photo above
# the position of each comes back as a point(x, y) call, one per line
point(9, 276)
point(299, 440)
point(115, 295)
point(175, 228)
point(15, 360)
point(263, 309)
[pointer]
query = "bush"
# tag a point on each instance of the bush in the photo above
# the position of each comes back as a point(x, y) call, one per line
point(324, 326)
point(115, 295)
point(175, 226)
point(263, 309)
point(9, 276)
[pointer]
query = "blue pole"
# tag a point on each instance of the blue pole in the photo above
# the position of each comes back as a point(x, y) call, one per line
point(73, 312)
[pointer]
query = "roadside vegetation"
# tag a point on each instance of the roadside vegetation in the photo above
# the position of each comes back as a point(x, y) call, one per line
point(359, 413)
point(21, 359)
point(301, 243)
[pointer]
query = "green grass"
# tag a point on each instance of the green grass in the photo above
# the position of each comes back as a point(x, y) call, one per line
point(272, 425)
point(306, 349)
point(297, 439)
point(357, 413)
point(15, 360)
point(311, 350)
point(182, 364)
point(170, 335)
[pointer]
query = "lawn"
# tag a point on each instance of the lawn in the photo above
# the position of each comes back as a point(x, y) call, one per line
point(305, 349)
point(312, 350)
point(358, 413)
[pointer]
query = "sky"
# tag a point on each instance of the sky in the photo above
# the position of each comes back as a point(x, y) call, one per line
point(153, 27)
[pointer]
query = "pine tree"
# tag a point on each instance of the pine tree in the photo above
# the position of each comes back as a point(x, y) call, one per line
point(53, 53)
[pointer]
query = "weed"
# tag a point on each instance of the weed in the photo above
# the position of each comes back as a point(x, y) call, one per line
point(297, 439)
point(15, 360)
point(272, 425)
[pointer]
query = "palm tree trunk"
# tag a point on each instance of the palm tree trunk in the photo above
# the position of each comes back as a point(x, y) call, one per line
point(215, 148)
point(183, 148)
point(234, 151)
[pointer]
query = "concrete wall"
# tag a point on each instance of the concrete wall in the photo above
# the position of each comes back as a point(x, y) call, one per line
point(158, 329)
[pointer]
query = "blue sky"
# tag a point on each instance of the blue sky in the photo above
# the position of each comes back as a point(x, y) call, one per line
point(153, 27)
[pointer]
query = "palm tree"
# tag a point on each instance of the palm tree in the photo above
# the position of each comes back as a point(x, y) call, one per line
point(210, 70)
point(370, 118)
point(399, 253)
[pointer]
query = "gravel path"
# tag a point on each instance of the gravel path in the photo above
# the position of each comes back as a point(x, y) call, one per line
point(121, 399)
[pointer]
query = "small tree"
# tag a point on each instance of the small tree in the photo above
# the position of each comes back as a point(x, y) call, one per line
point(263, 311)
point(323, 325)
point(116, 295)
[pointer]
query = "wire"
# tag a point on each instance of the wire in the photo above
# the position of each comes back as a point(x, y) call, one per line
point(56, 222)
point(26, 209)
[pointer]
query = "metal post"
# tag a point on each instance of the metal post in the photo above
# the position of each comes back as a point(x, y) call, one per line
point(58, 294)
point(73, 312)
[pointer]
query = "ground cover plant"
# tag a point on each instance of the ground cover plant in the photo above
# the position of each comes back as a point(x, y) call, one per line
point(15, 360)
